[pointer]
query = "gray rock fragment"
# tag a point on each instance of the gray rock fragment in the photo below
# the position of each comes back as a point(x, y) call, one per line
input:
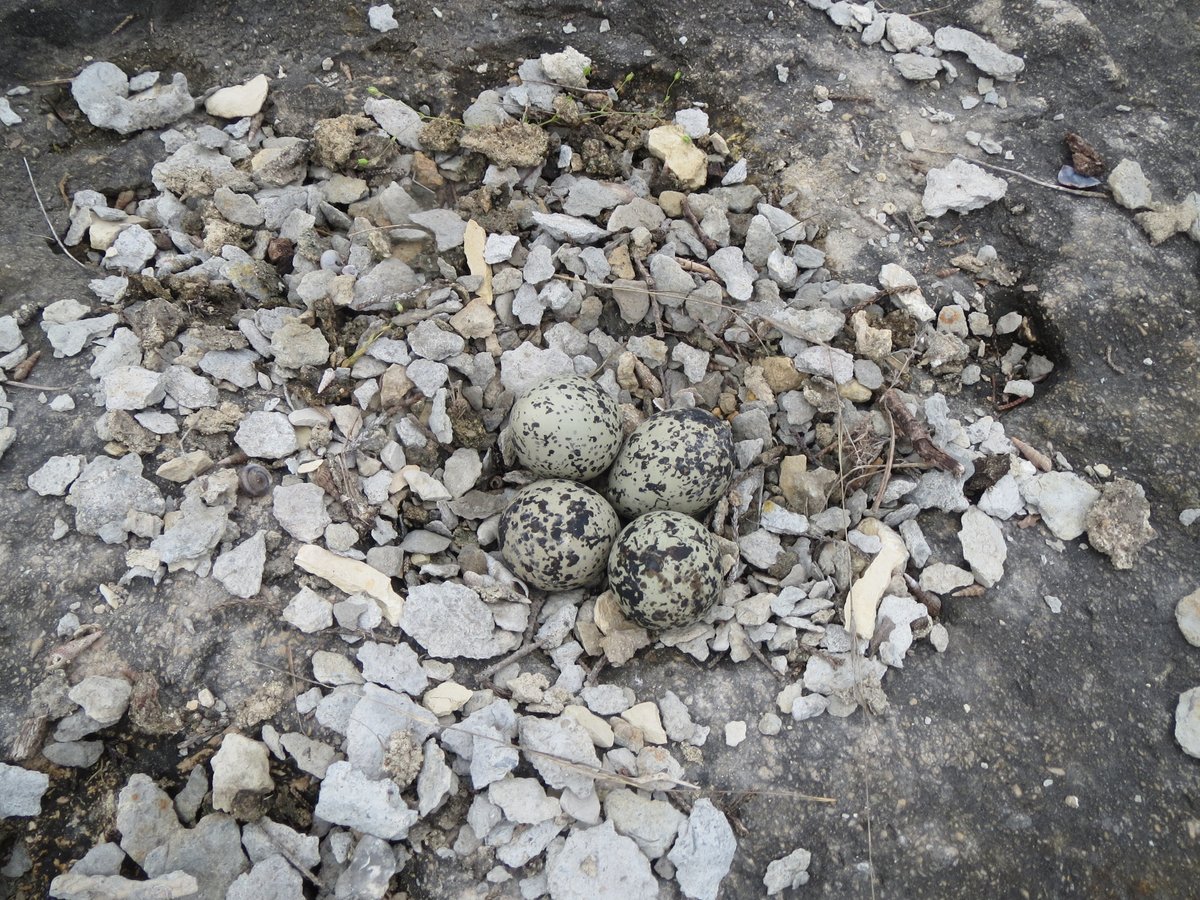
point(559, 742)
point(295, 345)
point(983, 54)
point(1187, 722)
point(526, 366)
point(104, 699)
point(907, 34)
point(273, 878)
point(1063, 500)
point(599, 864)
point(1187, 615)
point(369, 870)
point(735, 273)
point(212, 852)
point(1129, 185)
point(350, 798)
point(266, 435)
point(240, 765)
point(102, 92)
point(703, 851)
point(74, 886)
point(21, 791)
point(395, 666)
point(983, 546)
point(74, 754)
point(240, 569)
point(571, 229)
point(132, 388)
point(916, 67)
point(790, 871)
point(436, 782)
point(56, 475)
point(652, 824)
point(450, 620)
point(133, 248)
point(106, 491)
point(145, 817)
point(197, 171)
point(447, 226)
point(378, 715)
point(961, 187)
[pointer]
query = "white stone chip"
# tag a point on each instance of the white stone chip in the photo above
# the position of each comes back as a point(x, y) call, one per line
point(240, 569)
point(703, 851)
point(56, 475)
point(599, 864)
point(961, 187)
point(266, 435)
point(983, 546)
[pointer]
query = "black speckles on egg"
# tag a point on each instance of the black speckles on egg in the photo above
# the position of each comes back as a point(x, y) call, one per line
point(680, 459)
point(664, 570)
point(556, 534)
point(566, 427)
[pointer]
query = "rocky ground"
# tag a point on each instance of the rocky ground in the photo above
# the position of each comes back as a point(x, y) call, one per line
point(1029, 742)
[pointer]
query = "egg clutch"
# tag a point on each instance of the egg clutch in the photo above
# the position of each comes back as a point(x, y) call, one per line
point(559, 534)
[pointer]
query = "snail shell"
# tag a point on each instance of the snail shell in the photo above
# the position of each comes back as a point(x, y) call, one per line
point(254, 480)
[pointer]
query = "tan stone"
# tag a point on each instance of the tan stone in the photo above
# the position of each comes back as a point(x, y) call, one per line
point(448, 697)
point(805, 492)
point(780, 373)
point(598, 730)
point(672, 203)
point(186, 467)
point(865, 594)
point(682, 157)
point(621, 646)
point(238, 101)
point(475, 320)
point(474, 239)
point(646, 717)
point(620, 263)
point(854, 391)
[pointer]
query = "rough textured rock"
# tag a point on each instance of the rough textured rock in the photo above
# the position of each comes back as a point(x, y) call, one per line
point(1118, 523)
point(352, 799)
point(982, 53)
point(450, 620)
point(599, 863)
point(102, 92)
point(703, 851)
point(960, 187)
point(21, 791)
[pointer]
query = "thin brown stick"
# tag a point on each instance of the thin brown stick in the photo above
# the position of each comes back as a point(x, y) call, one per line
point(709, 244)
point(49, 224)
point(1031, 179)
point(528, 644)
point(918, 434)
point(689, 265)
point(887, 468)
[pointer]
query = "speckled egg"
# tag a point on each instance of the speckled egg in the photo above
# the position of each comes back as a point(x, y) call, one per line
point(664, 570)
point(680, 459)
point(556, 534)
point(566, 427)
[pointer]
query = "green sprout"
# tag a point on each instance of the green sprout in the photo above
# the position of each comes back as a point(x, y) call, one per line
point(362, 162)
point(670, 87)
point(374, 91)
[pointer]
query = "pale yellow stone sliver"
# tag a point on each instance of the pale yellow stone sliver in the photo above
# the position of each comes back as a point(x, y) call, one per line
point(865, 594)
point(353, 577)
